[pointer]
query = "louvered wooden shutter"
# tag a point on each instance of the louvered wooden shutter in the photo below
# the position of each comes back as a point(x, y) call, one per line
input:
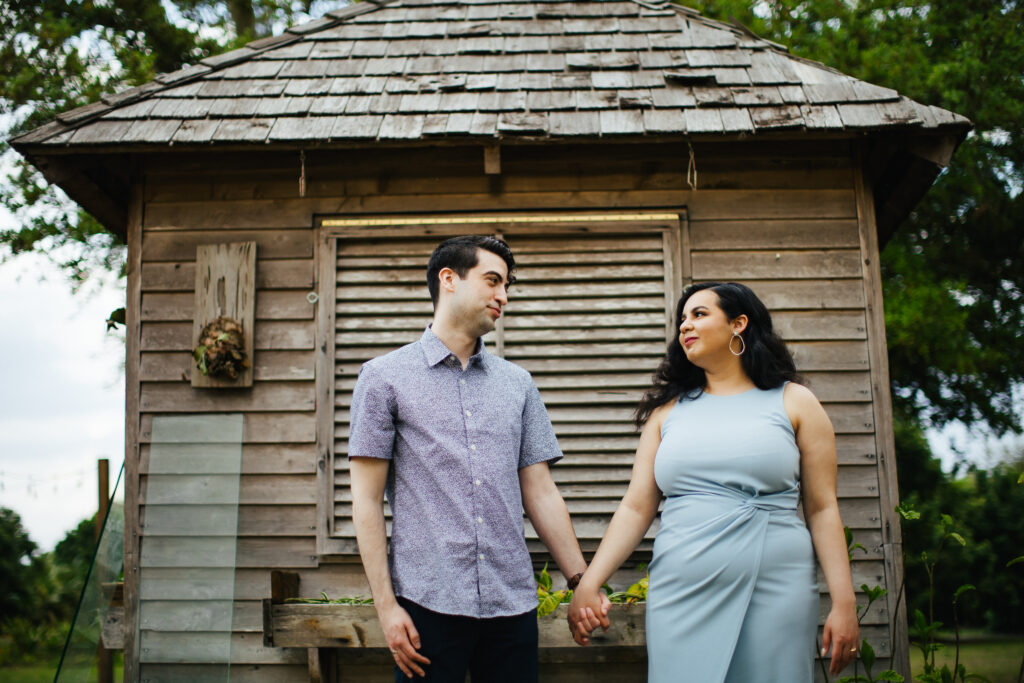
point(588, 317)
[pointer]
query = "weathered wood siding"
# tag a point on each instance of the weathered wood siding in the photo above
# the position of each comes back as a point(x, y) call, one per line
point(780, 217)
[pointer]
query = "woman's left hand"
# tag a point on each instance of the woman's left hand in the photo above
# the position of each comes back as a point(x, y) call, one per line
point(587, 611)
point(842, 634)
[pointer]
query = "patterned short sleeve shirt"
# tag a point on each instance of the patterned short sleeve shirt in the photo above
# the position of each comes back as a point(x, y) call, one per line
point(456, 440)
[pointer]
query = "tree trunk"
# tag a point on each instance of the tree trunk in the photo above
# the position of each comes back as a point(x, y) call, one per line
point(244, 17)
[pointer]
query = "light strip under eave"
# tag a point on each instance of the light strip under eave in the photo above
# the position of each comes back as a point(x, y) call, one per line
point(470, 220)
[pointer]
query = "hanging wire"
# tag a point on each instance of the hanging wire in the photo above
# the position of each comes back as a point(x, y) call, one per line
point(52, 476)
point(302, 173)
point(691, 168)
point(35, 483)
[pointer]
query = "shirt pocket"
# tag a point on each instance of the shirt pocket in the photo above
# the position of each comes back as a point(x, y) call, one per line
point(498, 423)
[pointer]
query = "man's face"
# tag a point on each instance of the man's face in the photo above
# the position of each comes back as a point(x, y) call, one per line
point(479, 298)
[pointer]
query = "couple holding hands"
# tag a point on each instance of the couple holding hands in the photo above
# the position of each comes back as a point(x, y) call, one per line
point(460, 443)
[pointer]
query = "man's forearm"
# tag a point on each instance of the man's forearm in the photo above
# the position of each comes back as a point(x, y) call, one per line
point(371, 535)
point(550, 517)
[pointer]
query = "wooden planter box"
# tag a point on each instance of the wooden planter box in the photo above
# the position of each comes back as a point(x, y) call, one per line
point(338, 636)
point(356, 626)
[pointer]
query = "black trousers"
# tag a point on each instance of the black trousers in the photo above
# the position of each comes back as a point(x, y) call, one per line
point(495, 650)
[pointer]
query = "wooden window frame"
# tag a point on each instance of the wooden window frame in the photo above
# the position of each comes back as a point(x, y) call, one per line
point(672, 222)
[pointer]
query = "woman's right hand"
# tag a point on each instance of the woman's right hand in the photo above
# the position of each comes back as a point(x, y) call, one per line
point(587, 611)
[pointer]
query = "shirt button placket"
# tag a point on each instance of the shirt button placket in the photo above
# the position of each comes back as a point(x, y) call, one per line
point(477, 481)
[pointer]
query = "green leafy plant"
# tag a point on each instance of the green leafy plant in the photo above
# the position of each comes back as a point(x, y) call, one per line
point(867, 652)
point(548, 600)
point(923, 629)
point(635, 593)
point(324, 600)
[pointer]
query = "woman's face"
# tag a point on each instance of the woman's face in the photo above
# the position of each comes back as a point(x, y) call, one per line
point(705, 331)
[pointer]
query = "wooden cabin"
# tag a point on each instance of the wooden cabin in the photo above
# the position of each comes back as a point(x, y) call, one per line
point(624, 148)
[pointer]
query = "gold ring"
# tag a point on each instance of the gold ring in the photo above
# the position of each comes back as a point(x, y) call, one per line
point(853, 650)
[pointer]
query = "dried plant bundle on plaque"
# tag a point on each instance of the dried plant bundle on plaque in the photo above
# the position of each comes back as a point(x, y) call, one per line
point(221, 349)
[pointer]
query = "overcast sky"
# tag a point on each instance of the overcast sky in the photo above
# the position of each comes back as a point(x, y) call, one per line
point(61, 397)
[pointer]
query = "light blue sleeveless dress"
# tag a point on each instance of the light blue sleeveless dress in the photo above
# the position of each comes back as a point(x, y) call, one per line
point(733, 593)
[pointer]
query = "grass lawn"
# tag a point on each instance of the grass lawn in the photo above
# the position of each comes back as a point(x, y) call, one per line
point(998, 661)
point(29, 673)
point(43, 672)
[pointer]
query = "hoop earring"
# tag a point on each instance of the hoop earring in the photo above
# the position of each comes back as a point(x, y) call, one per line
point(743, 344)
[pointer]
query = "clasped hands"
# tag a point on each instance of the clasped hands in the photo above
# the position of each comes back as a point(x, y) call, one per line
point(588, 610)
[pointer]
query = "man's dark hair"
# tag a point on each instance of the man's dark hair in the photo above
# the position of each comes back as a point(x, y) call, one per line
point(459, 254)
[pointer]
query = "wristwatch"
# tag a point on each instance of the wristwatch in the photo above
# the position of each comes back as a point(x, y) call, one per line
point(575, 581)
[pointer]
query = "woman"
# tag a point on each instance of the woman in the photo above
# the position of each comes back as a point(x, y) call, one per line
point(732, 442)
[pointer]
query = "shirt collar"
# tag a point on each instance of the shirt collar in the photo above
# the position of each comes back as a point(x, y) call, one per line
point(436, 352)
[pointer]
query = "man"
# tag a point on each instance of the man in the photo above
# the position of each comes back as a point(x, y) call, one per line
point(460, 442)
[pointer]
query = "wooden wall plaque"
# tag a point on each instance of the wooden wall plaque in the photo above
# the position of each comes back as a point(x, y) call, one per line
point(225, 286)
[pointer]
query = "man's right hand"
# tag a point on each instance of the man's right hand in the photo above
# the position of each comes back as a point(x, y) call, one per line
point(403, 641)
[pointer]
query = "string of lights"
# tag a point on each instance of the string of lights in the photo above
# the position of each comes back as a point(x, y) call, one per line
point(35, 484)
point(54, 476)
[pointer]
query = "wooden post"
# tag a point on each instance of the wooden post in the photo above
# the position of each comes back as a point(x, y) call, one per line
point(878, 356)
point(103, 499)
point(104, 661)
point(132, 475)
point(492, 160)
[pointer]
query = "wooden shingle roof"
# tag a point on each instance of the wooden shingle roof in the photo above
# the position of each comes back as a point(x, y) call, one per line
point(491, 69)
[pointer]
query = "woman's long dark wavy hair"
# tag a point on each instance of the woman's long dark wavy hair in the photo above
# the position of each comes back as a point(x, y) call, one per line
point(766, 360)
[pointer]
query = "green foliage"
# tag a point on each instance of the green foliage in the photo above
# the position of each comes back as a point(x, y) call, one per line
point(548, 600)
point(635, 593)
point(867, 652)
point(60, 54)
point(980, 547)
point(867, 658)
point(22, 640)
point(16, 556)
point(997, 660)
point(324, 600)
point(850, 545)
point(924, 629)
point(920, 473)
point(873, 594)
point(42, 594)
point(944, 531)
point(907, 513)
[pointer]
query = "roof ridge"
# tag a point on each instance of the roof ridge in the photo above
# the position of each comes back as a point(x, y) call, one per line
point(88, 112)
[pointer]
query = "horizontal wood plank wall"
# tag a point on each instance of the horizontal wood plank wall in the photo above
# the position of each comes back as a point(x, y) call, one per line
point(277, 489)
point(780, 217)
